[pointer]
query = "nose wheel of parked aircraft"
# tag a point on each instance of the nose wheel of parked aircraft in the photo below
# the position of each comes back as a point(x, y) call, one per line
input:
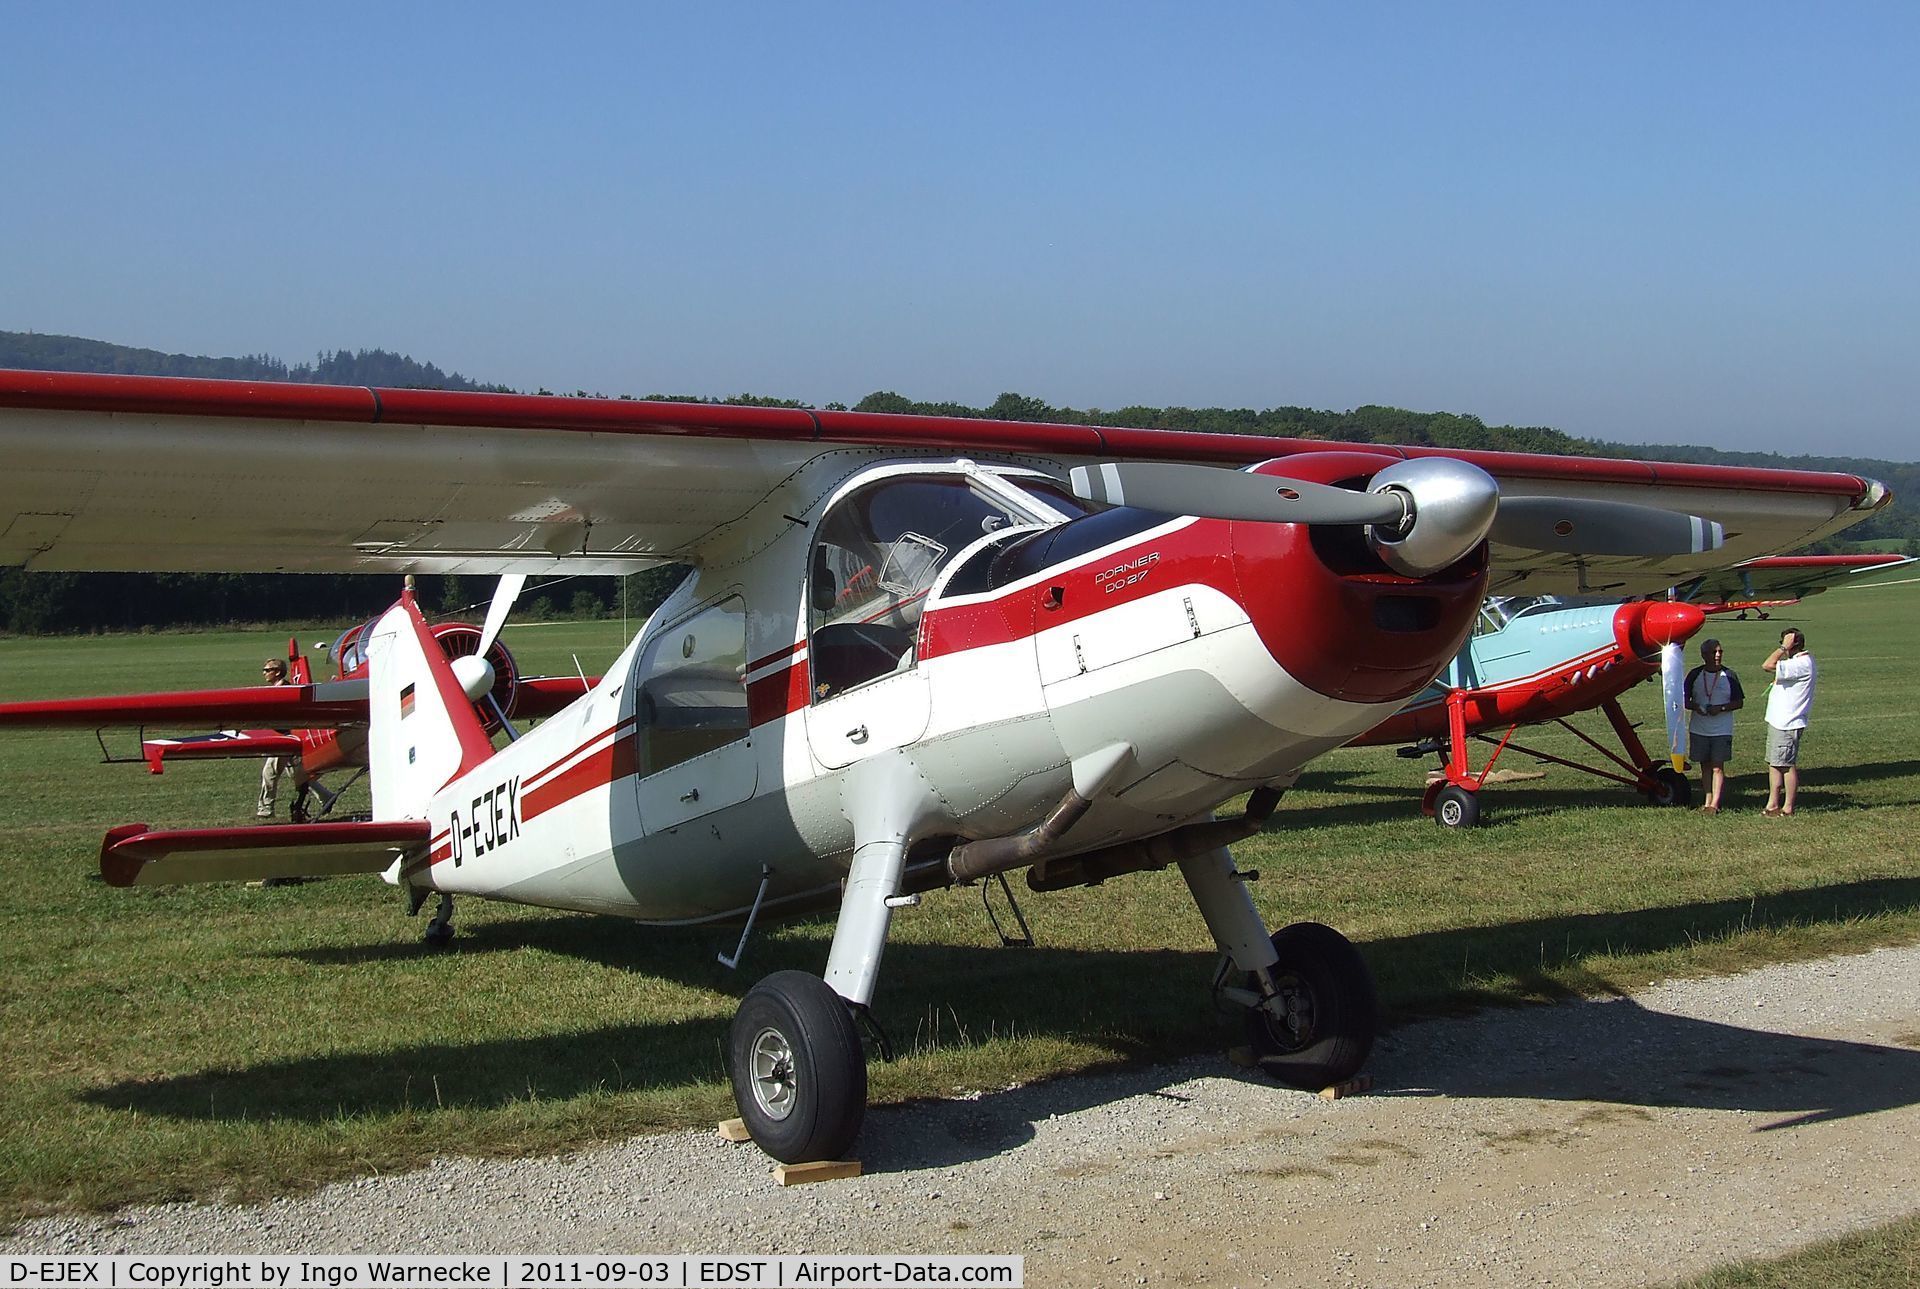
point(799, 1073)
point(1317, 1028)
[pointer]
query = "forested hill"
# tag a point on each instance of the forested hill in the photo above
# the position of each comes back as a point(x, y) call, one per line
point(121, 601)
point(32, 351)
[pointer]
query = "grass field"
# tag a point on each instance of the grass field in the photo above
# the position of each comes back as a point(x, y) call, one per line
point(224, 1041)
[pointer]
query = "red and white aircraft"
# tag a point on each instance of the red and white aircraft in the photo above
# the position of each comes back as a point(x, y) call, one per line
point(321, 722)
point(1776, 580)
point(912, 652)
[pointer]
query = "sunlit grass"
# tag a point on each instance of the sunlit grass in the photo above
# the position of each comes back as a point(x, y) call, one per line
point(1887, 1257)
point(219, 1040)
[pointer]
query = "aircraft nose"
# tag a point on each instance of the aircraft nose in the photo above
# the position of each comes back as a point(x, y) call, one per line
point(1646, 625)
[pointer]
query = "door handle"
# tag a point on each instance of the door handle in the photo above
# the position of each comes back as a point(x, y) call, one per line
point(858, 734)
point(691, 794)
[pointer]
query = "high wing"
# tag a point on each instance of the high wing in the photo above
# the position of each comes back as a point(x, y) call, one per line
point(1786, 577)
point(152, 473)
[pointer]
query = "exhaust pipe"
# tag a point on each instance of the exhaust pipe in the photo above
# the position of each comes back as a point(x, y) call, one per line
point(1096, 866)
point(984, 858)
point(1092, 775)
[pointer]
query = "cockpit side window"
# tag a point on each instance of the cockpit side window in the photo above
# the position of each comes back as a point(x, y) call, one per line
point(692, 696)
point(877, 555)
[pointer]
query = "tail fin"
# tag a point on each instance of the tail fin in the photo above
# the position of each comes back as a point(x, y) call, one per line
point(422, 729)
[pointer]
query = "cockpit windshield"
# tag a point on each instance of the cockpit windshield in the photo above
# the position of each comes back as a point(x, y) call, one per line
point(1497, 612)
point(882, 547)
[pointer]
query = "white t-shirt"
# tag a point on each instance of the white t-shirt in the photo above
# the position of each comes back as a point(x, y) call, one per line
point(1711, 689)
point(1791, 698)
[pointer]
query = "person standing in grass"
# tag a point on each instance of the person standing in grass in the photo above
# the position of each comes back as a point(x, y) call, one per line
point(274, 672)
point(1713, 696)
point(1789, 703)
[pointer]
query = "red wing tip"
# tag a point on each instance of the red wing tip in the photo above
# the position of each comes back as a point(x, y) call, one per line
point(117, 869)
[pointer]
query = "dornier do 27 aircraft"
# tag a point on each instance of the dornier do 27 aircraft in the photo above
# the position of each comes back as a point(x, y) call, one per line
point(911, 652)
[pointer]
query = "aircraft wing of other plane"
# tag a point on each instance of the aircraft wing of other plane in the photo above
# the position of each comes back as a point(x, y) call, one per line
point(1786, 577)
point(152, 473)
point(233, 713)
point(329, 703)
point(224, 745)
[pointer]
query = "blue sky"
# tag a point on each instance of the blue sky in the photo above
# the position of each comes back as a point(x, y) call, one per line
point(1648, 222)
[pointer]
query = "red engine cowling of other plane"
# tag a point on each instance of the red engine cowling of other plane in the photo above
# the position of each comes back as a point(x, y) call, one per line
point(1338, 619)
point(1642, 627)
point(456, 640)
point(459, 639)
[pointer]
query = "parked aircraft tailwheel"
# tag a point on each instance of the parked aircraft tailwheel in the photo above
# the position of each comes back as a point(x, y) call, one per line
point(1670, 788)
point(799, 1074)
point(439, 932)
point(1455, 807)
point(1324, 1024)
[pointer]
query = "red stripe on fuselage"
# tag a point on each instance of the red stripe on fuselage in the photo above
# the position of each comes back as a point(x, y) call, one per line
point(619, 759)
point(535, 779)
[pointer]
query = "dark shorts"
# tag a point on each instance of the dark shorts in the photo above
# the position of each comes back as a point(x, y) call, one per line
point(1783, 747)
point(1710, 749)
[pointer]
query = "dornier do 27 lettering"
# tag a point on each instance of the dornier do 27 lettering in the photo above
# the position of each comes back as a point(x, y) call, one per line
point(1112, 579)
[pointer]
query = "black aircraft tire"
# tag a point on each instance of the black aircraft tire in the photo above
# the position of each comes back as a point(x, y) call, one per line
point(799, 1073)
point(1455, 807)
point(1329, 981)
point(1671, 788)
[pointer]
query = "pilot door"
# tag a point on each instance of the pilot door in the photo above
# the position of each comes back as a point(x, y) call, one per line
point(693, 745)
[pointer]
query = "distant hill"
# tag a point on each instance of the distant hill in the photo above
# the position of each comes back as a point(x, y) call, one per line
point(123, 601)
point(33, 351)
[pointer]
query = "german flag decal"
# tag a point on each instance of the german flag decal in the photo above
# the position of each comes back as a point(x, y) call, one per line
point(406, 702)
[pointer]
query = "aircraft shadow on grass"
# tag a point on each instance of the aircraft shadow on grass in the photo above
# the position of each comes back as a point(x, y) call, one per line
point(1610, 1050)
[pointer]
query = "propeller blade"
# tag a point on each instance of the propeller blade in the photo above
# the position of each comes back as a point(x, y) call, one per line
point(1673, 680)
point(1232, 494)
point(503, 597)
point(1585, 527)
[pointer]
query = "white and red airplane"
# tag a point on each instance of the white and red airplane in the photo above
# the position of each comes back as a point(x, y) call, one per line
point(912, 652)
point(321, 722)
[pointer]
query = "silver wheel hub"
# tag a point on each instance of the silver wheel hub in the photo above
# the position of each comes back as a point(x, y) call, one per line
point(773, 1082)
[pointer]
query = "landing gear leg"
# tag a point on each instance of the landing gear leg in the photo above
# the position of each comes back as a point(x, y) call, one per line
point(799, 1072)
point(1308, 994)
point(439, 933)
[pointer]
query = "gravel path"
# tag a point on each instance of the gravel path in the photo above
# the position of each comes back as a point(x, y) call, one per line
point(1622, 1141)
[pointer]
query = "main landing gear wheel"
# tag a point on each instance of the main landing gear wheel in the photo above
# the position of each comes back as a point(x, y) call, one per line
point(1326, 1028)
point(1670, 788)
point(799, 1073)
point(1455, 807)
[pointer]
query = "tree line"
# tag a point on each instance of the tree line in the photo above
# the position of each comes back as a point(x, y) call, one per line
point(47, 603)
